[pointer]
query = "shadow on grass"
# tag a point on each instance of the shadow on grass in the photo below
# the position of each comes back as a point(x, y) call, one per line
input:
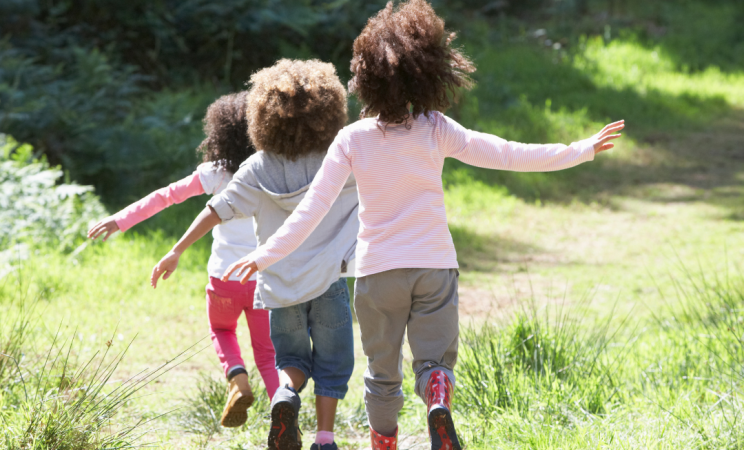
point(482, 253)
point(697, 34)
point(694, 141)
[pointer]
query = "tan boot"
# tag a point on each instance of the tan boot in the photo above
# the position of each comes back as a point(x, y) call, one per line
point(239, 399)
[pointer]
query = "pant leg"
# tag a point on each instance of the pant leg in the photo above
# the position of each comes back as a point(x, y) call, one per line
point(263, 349)
point(433, 326)
point(291, 339)
point(223, 310)
point(332, 334)
point(383, 302)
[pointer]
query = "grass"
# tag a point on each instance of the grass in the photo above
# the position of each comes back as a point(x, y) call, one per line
point(552, 374)
point(673, 381)
point(57, 397)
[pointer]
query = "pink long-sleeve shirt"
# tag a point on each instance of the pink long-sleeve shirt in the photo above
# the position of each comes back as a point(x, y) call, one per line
point(231, 240)
point(157, 201)
point(403, 222)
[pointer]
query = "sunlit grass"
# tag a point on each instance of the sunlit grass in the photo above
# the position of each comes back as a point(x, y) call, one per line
point(629, 65)
point(542, 382)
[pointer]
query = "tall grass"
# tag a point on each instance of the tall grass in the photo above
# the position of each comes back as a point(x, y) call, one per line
point(545, 359)
point(551, 379)
point(202, 410)
point(54, 399)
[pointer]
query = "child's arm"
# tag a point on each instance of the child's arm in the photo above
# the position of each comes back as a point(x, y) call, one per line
point(157, 201)
point(203, 224)
point(323, 191)
point(492, 152)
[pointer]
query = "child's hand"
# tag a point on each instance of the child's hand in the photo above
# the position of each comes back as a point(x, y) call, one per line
point(107, 225)
point(167, 265)
point(241, 266)
point(601, 139)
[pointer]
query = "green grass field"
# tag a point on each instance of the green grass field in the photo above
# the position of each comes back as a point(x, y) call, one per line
point(601, 307)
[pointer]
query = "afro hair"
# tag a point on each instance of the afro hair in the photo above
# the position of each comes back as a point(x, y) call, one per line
point(404, 56)
point(296, 107)
point(227, 143)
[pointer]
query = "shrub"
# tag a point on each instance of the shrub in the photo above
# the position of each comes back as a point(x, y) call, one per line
point(35, 208)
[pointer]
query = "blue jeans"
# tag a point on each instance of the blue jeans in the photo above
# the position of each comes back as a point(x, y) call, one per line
point(326, 320)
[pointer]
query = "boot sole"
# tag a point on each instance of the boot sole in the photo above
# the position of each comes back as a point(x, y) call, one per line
point(235, 414)
point(283, 432)
point(442, 430)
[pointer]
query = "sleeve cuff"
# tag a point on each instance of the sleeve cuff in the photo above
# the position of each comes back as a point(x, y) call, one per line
point(261, 260)
point(587, 149)
point(221, 207)
point(123, 223)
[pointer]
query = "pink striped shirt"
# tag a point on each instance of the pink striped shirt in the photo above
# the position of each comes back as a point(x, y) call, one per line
point(403, 223)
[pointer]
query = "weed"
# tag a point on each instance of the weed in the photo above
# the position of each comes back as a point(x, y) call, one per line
point(202, 410)
point(54, 401)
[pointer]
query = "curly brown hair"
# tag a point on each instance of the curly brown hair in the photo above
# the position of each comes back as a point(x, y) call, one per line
point(405, 56)
point(296, 107)
point(226, 126)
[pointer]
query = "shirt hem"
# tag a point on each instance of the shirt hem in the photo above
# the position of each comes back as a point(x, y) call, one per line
point(378, 268)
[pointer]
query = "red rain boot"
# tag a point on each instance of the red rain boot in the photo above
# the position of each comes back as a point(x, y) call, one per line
point(439, 406)
point(380, 442)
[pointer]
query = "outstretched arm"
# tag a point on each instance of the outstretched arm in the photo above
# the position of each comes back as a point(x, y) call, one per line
point(203, 224)
point(489, 151)
point(328, 183)
point(147, 207)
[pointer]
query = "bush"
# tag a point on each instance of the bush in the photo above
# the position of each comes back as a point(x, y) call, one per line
point(35, 208)
point(77, 79)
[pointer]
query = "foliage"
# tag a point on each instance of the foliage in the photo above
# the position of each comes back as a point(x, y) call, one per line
point(92, 116)
point(175, 42)
point(34, 208)
point(114, 91)
point(77, 79)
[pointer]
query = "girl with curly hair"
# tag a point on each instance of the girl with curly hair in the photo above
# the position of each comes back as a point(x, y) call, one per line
point(403, 68)
point(225, 147)
point(295, 110)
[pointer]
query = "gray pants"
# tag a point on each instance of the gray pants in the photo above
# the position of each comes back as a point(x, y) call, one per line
point(425, 301)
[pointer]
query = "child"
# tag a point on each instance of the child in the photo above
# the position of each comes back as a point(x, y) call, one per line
point(296, 108)
point(403, 67)
point(225, 147)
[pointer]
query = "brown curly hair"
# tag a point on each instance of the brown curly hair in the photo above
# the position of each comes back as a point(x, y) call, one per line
point(404, 56)
point(226, 126)
point(296, 107)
